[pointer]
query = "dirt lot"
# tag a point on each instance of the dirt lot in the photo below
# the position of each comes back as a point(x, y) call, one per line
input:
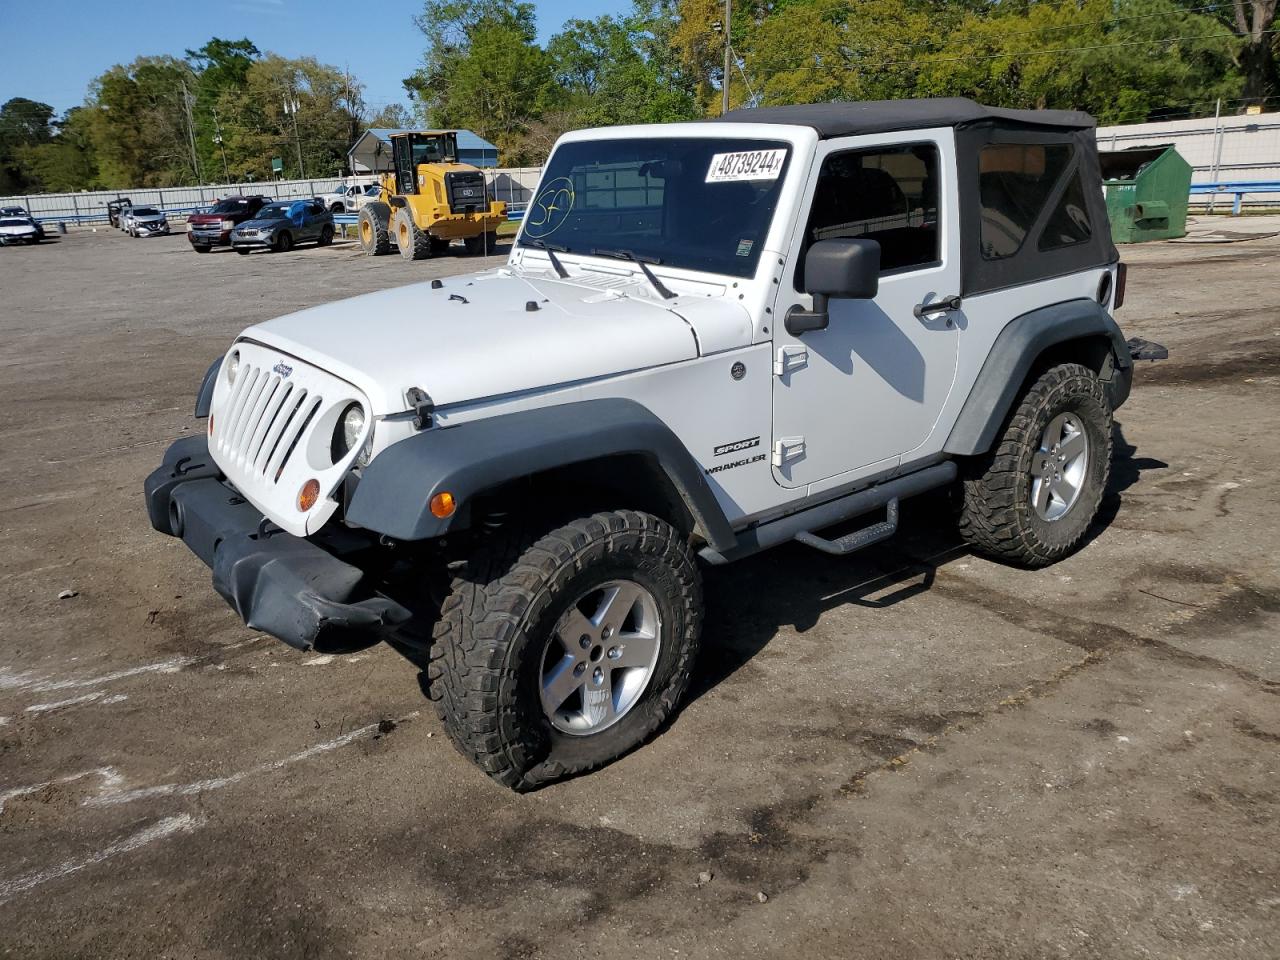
point(911, 753)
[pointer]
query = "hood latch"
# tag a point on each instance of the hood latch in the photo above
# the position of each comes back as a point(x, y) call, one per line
point(423, 408)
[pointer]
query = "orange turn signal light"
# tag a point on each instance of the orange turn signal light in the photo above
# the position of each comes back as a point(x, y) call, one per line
point(308, 495)
point(442, 505)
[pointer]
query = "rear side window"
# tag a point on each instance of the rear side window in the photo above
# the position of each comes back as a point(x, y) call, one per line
point(889, 195)
point(1015, 181)
point(1069, 222)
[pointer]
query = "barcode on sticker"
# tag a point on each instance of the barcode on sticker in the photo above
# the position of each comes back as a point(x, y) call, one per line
point(748, 165)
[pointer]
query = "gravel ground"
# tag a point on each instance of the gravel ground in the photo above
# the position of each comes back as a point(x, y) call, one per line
point(908, 753)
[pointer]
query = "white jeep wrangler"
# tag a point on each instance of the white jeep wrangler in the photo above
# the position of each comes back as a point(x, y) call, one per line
point(710, 338)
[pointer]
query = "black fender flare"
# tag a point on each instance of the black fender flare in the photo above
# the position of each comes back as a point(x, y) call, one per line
point(395, 490)
point(204, 397)
point(1016, 349)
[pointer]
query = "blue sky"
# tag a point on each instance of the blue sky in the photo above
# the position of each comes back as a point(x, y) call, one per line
point(53, 48)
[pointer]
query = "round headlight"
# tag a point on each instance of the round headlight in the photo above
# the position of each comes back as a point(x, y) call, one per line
point(347, 432)
point(233, 366)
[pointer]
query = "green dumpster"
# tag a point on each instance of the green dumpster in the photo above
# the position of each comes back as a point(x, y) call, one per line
point(1147, 191)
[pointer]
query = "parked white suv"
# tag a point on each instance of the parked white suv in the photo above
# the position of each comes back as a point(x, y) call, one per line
point(709, 339)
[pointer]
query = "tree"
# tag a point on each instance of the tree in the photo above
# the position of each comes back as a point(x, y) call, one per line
point(66, 162)
point(483, 70)
point(23, 123)
point(1253, 20)
point(138, 123)
point(222, 67)
point(393, 116)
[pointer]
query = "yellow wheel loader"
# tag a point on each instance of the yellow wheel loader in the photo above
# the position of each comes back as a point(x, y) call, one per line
point(429, 199)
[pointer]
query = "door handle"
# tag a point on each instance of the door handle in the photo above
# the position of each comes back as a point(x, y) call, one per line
point(941, 305)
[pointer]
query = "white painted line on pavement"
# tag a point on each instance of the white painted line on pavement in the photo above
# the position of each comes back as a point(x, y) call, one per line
point(182, 823)
point(112, 795)
point(29, 680)
point(110, 778)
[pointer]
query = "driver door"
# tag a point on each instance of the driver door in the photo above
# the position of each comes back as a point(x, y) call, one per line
point(854, 399)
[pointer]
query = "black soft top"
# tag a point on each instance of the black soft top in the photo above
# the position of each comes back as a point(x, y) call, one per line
point(885, 116)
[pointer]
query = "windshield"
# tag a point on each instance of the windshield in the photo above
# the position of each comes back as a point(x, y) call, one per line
point(230, 206)
point(14, 223)
point(274, 212)
point(696, 203)
point(145, 212)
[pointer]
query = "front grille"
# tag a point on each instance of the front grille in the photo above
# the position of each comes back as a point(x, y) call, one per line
point(467, 192)
point(265, 418)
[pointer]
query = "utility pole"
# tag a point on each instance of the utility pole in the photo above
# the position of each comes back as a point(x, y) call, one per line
point(217, 138)
point(291, 107)
point(191, 132)
point(722, 26)
point(724, 100)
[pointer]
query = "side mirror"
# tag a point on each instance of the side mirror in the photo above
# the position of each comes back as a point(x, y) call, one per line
point(842, 268)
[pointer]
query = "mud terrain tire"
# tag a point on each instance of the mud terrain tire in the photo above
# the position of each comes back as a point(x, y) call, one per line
point(498, 625)
point(998, 515)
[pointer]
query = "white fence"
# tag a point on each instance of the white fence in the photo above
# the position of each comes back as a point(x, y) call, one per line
point(1227, 149)
point(514, 185)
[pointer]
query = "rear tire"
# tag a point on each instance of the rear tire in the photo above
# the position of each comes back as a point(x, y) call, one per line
point(482, 245)
point(414, 244)
point(1031, 500)
point(375, 237)
point(517, 630)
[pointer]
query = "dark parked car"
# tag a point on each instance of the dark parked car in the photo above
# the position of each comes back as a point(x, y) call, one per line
point(116, 207)
point(212, 228)
point(280, 225)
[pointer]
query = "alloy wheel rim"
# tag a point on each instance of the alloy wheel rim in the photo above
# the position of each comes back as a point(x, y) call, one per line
point(1059, 467)
point(600, 657)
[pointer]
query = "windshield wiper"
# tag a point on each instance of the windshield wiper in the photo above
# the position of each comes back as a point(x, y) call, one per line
point(550, 249)
point(642, 261)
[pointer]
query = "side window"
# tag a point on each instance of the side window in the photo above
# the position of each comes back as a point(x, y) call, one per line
point(1014, 184)
point(1069, 222)
point(888, 194)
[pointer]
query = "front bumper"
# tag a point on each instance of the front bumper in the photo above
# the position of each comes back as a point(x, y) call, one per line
point(209, 238)
point(256, 243)
point(290, 587)
point(147, 230)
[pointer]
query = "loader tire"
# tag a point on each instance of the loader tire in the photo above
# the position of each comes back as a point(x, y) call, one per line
point(414, 244)
point(375, 235)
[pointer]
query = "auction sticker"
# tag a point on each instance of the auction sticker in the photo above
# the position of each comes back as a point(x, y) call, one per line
point(748, 165)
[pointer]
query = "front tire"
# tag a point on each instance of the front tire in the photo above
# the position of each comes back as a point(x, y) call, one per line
point(414, 244)
point(326, 236)
point(284, 242)
point(243, 251)
point(1032, 499)
point(200, 248)
point(557, 656)
point(375, 235)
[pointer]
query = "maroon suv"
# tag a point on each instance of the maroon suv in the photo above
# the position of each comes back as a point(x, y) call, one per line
point(212, 228)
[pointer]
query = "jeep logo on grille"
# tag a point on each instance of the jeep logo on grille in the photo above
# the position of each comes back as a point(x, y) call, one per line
point(282, 368)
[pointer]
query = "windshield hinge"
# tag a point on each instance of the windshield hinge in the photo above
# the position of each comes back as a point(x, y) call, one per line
point(787, 449)
point(789, 358)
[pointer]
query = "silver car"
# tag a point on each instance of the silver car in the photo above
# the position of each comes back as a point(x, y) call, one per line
point(146, 222)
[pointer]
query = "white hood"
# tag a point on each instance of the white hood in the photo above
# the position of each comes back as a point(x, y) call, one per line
point(475, 337)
